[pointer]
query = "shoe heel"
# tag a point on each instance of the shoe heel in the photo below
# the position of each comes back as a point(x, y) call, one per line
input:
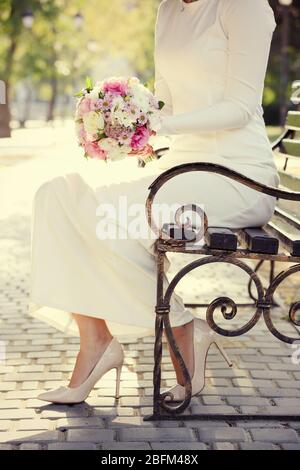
point(118, 380)
point(224, 354)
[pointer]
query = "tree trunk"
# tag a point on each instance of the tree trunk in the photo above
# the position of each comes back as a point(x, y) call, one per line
point(5, 117)
point(52, 102)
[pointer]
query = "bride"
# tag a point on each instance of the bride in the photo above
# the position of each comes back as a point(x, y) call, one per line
point(211, 58)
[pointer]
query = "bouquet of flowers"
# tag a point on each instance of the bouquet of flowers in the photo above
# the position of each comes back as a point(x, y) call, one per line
point(116, 118)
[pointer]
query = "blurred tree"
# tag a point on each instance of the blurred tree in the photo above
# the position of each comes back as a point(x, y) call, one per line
point(284, 64)
point(12, 28)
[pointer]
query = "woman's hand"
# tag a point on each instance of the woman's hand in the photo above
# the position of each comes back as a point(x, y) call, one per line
point(143, 153)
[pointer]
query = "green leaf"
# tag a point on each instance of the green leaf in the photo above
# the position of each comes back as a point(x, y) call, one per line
point(79, 94)
point(161, 104)
point(101, 135)
point(88, 84)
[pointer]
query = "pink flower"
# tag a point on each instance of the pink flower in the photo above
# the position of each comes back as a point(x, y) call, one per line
point(84, 106)
point(117, 87)
point(93, 150)
point(81, 134)
point(140, 138)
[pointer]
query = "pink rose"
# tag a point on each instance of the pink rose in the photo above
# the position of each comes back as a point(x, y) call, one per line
point(84, 106)
point(93, 150)
point(140, 138)
point(116, 87)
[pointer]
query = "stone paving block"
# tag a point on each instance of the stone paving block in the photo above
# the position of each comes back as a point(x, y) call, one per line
point(10, 404)
point(275, 435)
point(258, 446)
point(126, 446)
point(29, 385)
point(5, 447)
point(252, 383)
point(224, 446)
point(17, 414)
point(289, 383)
point(230, 391)
point(271, 410)
point(65, 412)
point(7, 386)
point(213, 400)
point(101, 401)
point(71, 446)
point(120, 422)
point(88, 422)
point(33, 377)
point(29, 436)
point(287, 446)
point(30, 446)
point(33, 425)
point(90, 435)
point(218, 434)
point(269, 374)
point(5, 425)
point(275, 392)
point(22, 394)
point(43, 354)
point(205, 409)
point(211, 423)
point(156, 434)
point(248, 401)
point(167, 446)
point(287, 402)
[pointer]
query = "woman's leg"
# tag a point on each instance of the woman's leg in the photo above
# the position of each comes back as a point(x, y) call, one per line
point(184, 337)
point(94, 339)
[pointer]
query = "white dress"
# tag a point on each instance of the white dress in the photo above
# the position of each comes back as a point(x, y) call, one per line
point(211, 58)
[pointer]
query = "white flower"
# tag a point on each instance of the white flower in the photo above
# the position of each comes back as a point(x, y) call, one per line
point(93, 122)
point(108, 144)
point(140, 98)
point(123, 118)
point(94, 94)
point(118, 153)
point(117, 103)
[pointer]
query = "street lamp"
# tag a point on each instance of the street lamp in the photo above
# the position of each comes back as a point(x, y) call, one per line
point(78, 20)
point(27, 19)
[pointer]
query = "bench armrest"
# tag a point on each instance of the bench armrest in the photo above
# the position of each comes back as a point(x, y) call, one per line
point(277, 144)
point(211, 168)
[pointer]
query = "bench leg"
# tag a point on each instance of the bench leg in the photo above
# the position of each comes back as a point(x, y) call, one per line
point(161, 409)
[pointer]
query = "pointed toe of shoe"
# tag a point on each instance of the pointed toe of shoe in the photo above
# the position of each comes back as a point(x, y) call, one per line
point(53, 396)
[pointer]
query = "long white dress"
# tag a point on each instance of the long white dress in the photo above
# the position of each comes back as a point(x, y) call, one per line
point(211, 58)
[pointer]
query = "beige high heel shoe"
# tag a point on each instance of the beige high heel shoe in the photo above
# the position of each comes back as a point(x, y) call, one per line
point(204, 337)
point(112, 358)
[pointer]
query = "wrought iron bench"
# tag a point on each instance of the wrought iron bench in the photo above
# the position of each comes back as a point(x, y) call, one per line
point(278, 242)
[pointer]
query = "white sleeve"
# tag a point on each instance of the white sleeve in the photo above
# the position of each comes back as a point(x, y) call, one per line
point(249, 26)
point(162, 93)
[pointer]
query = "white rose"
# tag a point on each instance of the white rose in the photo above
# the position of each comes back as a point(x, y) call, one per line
point(118, 153)
point(93, 122)
point(108, 144)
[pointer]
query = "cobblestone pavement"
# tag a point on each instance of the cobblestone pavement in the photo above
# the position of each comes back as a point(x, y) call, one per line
point(264, 378)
